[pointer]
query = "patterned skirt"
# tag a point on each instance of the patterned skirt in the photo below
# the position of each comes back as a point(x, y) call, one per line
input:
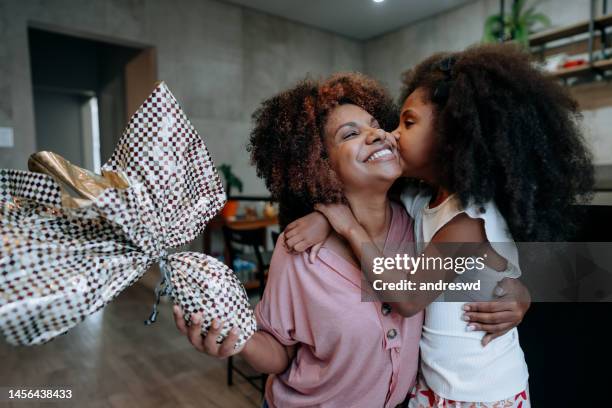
point(422, 396)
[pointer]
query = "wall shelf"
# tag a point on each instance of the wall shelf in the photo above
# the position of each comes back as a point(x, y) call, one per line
point(589, 83)
point(586, 68)
point(571, 72)
point(603, 64)
point(569, 31)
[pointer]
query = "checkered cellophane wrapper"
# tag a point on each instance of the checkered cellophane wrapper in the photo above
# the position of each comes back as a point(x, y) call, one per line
point(59, 265)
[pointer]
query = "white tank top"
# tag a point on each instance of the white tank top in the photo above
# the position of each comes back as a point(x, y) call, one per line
point(453, 362)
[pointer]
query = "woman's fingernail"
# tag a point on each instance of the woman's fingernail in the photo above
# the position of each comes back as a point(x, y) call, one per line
point(499, 291)
point(235, 331)
point(215, 324)
point(465, 317)
point(470, 327)
point(466, 308)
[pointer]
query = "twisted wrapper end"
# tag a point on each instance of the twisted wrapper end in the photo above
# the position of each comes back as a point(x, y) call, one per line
point(163, 288)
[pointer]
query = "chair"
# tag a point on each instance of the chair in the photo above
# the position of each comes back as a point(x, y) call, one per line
point(236, 241)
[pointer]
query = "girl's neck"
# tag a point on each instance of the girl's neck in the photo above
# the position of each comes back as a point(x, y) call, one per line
point(440, 194)
point(373, 212)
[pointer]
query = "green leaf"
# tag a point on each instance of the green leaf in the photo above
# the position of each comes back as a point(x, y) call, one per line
point(493, 28)
point(530, 11)
point(542, 19)
point(231, 180)
point(518, 5)
point(521, 36)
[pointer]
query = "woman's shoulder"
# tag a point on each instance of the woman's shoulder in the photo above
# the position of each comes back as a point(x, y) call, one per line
point(295, 271)
point(282, 256)
point(287, 265)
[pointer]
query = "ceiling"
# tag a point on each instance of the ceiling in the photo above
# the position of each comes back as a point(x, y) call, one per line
point(358, 19)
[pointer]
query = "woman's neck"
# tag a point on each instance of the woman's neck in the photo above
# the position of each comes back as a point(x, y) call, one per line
point(373, 212)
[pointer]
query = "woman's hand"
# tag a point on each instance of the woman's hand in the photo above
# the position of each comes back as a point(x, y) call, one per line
point(262, 351)
point(502, 315)
point(309, 231)
point(340, 217)
point(209, 343)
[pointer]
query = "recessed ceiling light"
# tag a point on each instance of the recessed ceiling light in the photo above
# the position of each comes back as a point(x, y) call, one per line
point(378, 1)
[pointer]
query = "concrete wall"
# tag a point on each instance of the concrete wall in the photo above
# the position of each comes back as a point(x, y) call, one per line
point(391, 54)
point(219, 60)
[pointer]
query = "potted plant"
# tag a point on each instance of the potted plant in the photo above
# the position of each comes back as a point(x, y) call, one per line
point(516, 25)
point(231, 180)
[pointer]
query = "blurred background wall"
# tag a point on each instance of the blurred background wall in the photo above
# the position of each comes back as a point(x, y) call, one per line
point(220, 59)
point(463, 26)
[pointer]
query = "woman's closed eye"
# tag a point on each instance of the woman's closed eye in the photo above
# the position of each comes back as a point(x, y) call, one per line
point(408, 123)
point(350, 134)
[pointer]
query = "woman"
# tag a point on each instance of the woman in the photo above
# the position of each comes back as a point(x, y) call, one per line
point(322, 143)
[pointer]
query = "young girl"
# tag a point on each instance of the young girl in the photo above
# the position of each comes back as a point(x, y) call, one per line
point(314, 143)
point(498, 146)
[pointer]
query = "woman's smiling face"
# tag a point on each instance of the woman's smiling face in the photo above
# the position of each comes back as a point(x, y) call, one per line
point(362, 154)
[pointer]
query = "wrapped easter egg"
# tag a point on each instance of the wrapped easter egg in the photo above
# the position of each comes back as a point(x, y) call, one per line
point(73, 240)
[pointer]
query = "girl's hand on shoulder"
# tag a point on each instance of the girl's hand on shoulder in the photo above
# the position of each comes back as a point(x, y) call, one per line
point(499, 316)
point(340, 217)
point(207, 344)
point(309, 231)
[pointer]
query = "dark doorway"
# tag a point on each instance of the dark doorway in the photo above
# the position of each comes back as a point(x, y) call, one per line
point(83, 93)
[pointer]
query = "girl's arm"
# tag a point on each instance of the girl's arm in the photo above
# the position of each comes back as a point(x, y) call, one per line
point(262, 351)
point(462, 229)
point(306, 232)
point(495, 317)
point(407, 303)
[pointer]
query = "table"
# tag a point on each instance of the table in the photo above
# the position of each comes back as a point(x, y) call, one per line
point(240, 224)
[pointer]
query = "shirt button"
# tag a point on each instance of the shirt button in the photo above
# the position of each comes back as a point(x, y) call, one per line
point(386, 309)
point(482, 210)
point(391, 334)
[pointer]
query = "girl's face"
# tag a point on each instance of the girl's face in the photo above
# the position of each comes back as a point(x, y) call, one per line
point(415, 136)
point(363, 155)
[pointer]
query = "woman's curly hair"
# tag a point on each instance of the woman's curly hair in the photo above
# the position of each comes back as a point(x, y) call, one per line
point(287, 143)
point(506, 132)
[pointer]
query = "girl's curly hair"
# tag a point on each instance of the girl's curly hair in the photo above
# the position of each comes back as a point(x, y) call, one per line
point(287, 143)
point(508, 133)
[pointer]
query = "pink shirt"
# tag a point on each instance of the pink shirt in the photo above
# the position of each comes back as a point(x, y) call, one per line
point(352, 353)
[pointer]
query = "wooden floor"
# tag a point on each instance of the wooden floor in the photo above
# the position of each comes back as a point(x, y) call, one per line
point(114, 360)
